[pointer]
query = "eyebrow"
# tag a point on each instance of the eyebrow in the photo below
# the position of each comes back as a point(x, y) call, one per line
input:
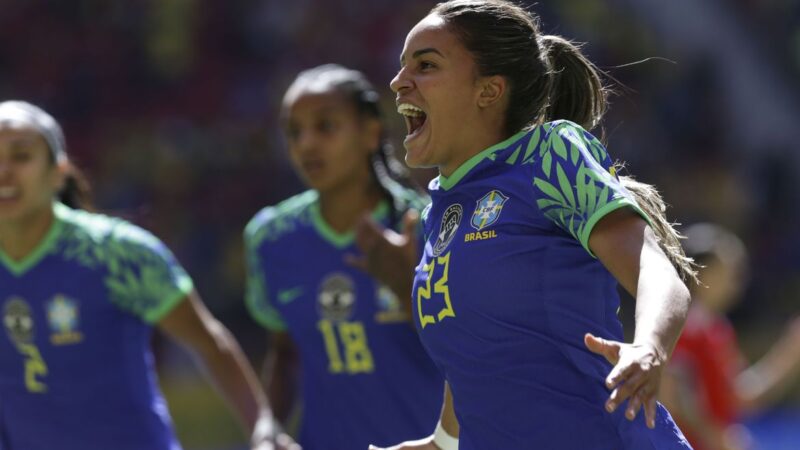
point(419, 53)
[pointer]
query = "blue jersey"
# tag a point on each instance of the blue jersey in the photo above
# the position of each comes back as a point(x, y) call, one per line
point(76, 371)
point(507, 288)
point(365, 376)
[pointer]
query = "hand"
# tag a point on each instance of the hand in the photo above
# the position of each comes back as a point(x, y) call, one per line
point(386, 255)
point(420, 444)
point(636, 375)
point(280, 442)
point(268, 435)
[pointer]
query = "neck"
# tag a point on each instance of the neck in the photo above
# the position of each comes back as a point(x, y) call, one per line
point(485, 136)
point(343, 207)
point(19, 238)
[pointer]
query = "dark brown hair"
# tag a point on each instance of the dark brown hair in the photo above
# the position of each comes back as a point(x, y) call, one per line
point(549, 79)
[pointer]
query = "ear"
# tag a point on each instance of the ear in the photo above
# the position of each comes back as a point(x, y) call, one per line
point(58, 177)
point(491, 90)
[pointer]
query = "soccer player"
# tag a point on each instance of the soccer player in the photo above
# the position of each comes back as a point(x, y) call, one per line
point(529, 231)
point(80, 294)
point(707, 385)
point(364, 376)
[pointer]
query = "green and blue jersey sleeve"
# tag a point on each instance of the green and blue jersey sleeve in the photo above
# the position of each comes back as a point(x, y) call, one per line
point(144, 278)
point(257, 295)
point(575, 181)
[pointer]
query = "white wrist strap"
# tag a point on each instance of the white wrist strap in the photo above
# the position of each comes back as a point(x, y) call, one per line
point(443, 440)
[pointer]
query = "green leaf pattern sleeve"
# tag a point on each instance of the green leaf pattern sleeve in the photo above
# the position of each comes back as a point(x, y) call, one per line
point(256, 296)
point(574, 183)
point(144, 278)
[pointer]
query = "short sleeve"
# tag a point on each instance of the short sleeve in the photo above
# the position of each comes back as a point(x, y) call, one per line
point(256, 296)
point(575, 182)
point(144, 277)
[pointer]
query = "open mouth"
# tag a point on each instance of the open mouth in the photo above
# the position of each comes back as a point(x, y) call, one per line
point(415, 118)
point(8, 193)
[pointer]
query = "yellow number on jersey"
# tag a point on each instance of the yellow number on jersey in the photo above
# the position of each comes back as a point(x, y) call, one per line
point(357, 356)
point(439, 287)
point(34, 366)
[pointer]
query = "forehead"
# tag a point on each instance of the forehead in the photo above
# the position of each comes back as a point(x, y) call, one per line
point(314, 100)
point(17, 131)
point(432, 32)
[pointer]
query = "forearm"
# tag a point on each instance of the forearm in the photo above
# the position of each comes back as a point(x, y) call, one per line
point(662, 301)
point(763, 382)
point(448, 417)
point(280, 383)
point(234, 378)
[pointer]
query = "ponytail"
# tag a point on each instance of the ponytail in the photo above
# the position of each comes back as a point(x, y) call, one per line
point(76, 192)
point(577, 94)
point(650, 201)
point(576, 91)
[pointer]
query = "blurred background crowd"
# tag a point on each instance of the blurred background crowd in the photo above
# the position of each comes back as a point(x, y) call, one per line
point(171, 107)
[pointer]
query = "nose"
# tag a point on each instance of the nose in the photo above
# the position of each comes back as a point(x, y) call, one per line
point(305, 141)
point(400, 81)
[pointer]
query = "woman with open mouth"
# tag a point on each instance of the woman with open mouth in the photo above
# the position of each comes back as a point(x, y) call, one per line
point(529, 232)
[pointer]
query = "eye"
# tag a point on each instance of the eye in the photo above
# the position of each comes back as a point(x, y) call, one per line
point(326, 126)
point(292, 133)
point(21, 156)
point(426, 65)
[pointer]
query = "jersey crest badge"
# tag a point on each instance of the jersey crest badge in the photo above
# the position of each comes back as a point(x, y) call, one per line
point(451, 219)
point(488, 210)
point(64, 320)
point(337, 297)
point(18, 320)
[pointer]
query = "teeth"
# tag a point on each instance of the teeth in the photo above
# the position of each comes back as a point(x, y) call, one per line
point(8, 192)
point(409, 110)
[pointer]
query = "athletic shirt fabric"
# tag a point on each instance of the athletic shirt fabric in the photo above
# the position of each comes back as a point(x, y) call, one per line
point(365, 378)
point(507, 287)
point(76, 370)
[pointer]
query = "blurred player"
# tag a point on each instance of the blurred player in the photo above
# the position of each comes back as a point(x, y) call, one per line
point(364, 376)
point(708, 386)
point(80, 294)
point(528, 234)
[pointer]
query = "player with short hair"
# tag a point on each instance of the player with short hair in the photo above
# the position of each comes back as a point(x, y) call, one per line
point(363, 374)
point(80, 294)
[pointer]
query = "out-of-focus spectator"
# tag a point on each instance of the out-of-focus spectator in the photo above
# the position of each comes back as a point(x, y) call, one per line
point(709, 386)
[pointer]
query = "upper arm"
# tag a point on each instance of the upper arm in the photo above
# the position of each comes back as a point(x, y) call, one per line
point(618, 241)
point(192, 325)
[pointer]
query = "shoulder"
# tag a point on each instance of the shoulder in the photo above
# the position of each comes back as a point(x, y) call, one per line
point(103, 230)
point(273, 222)
point(93, 237)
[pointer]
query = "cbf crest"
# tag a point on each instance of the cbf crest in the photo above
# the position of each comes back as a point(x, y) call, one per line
point(64, 320)
point(451, 219)
point(488, 210)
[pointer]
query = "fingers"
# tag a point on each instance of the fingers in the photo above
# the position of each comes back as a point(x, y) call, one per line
point(608, 349)
point(630, 385)
point(368, 234)
point(356, 261)
point(650, 411)
point(410, 222)
point(634, 403)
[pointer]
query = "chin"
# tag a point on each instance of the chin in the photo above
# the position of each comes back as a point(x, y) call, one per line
point(417, 159)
